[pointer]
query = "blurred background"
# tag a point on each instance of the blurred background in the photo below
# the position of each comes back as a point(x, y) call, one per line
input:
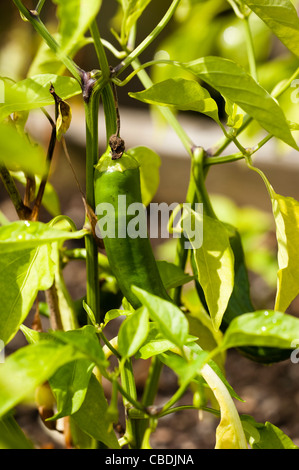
point(199, 28)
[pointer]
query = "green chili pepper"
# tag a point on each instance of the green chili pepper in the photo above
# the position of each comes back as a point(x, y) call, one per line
point(131, 259)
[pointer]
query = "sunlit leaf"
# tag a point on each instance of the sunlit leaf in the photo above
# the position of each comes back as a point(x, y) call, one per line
point(215, 266)
point(229, 433)
point(21, 235)
point(181, 94)
point(33, 92)
point(235, 84)
point(17, 153)
point(170, 319)
point(23, 273)
point(262, 328)
point(281, 17)
point(133, 332)
point(132, 10)
point(286, 214)
point(29, 367)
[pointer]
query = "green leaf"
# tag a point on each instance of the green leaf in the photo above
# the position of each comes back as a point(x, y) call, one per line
point(150, 163)
point(240, 300)
point(215, 266)
point(23, 273)
point(74, 20)
point(265, 328)
point(185, 370)
point(265, 436)
point(181, 94)
point(11, 435)
point(69, 385)
point(235, 84)
point(281, 17)
point(22, 235)
point(170, 319)
point(132, 10)
point(29, 367)
point(133, 332)
point(286, 214)
point(17, 153)
point(85, 340)
point(235, 117)
point(92, 415)
point(33, 93)
point(155, 343)
point(172, 275)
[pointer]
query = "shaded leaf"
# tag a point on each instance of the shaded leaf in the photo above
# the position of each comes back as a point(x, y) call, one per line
point(172, 275)
point(281, 17)
point(11, 435)
point(69, 385)
point(92, 416)
point(265, 436)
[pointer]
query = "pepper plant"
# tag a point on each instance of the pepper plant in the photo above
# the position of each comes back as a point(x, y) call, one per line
point(234, 83)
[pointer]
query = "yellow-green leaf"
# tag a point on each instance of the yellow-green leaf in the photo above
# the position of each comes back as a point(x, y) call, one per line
point(215, 265)
point(229, 433)
point(286, 213)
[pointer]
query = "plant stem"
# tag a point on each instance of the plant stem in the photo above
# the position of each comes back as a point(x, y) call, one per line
point(150, 38)
point(22, 210)
point(128, 385)
point(226, 159)
point(250, 47)
point(42, 186)
point(106, 91)
point(34, 19)
point(40, 6)
point(149, 394)
point(92, 272)
point(175, 409)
